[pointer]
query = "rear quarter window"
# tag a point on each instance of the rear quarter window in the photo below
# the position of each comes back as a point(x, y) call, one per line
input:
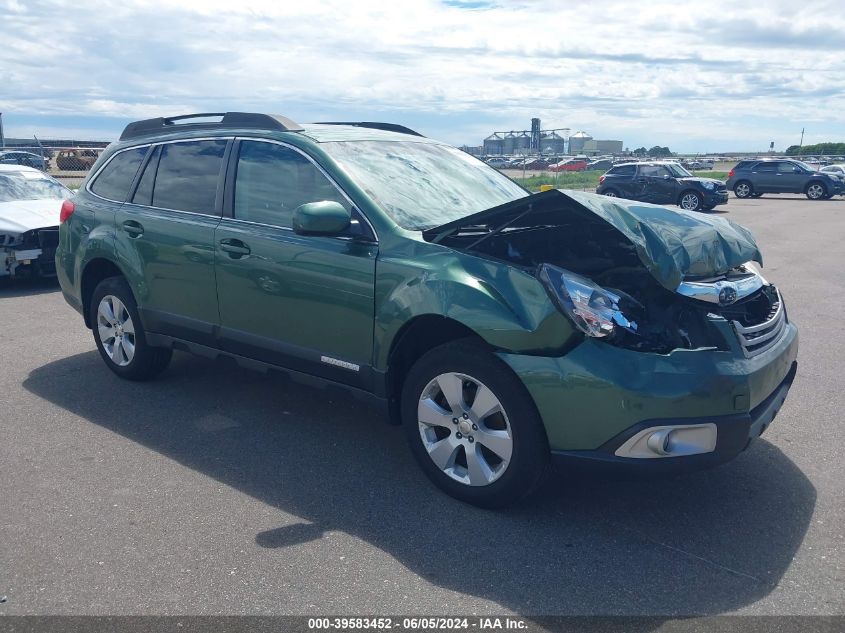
point(114, 181)
point(625, 170)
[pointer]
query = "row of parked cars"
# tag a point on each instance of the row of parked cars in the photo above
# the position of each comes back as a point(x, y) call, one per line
point(66, 160)
point(576, 163)
point(668, 182)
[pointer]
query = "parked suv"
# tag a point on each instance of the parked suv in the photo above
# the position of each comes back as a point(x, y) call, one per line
point(498, 327)
point(753, 178)
point(662, 182)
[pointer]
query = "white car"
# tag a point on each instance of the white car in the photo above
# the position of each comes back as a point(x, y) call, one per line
point(30, 202)
point(837, 170)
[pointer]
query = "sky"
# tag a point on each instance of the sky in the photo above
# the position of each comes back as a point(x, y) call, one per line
point(707, 76)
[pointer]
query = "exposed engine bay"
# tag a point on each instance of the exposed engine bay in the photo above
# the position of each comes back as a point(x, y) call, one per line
point(629, 308)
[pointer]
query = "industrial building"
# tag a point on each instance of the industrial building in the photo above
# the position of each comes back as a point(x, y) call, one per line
point(552, 142)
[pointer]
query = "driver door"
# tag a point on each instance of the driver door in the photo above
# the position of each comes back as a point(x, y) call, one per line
point(298, 301)
point(659, 185)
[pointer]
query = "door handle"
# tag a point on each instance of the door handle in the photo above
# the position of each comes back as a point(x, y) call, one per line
point(234, 247)
point(133, 228)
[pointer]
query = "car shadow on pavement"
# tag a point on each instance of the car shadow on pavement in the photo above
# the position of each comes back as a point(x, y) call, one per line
point(10, 288)
point(704, 543)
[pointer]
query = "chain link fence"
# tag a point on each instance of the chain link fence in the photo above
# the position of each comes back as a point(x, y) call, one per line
point(69, 165)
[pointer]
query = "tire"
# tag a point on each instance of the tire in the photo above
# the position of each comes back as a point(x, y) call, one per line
point(488, 456)
point(611, 193)
point(690, 201)
point(743, 189)
point(119, 334)
point(816, 191)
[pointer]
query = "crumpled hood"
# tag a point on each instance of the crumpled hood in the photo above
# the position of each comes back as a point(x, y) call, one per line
point(699, 179)
point(672, 244)
point(20, 216)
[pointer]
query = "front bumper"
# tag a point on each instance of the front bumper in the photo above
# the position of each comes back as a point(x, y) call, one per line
point(715, 198)
point(598, 395)
point(734, 434)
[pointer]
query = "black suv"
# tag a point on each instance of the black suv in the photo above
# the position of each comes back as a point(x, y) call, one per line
point(753, 178)
point(663, 182)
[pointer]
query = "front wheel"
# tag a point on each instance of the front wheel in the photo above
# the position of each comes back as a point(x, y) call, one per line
point(119, 334)
point(472, 426)
point(691, 201)
point(816, 191)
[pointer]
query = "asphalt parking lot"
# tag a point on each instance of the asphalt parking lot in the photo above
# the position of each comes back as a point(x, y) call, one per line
point(217, 490)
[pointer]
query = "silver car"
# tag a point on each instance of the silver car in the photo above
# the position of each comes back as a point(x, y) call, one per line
point(30, 202)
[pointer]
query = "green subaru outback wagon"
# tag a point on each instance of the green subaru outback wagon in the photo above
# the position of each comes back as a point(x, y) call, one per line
point(500, 329)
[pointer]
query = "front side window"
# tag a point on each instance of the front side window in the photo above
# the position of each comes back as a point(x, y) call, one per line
point(273, 180)
point(187, 176)
point(116, 178)
point(653, 171)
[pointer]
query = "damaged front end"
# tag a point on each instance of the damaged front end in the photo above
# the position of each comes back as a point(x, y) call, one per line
point(635, 275)
point(32, 252)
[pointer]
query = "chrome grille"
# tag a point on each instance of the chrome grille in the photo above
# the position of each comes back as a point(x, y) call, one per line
point(756, 339)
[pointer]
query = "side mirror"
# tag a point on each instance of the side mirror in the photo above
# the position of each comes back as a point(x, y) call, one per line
point(321, 218)
point(667, 177)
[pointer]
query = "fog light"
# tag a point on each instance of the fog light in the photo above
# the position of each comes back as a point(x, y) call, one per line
point(658, 442)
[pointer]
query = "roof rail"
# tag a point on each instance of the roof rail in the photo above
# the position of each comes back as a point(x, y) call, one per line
point(375, 125)
point(228, 120)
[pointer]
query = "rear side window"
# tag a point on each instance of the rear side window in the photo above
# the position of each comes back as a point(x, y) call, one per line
point(767, 167)
point(624, 170)
point(273, 180)
point(187, 175)
point(114, 181)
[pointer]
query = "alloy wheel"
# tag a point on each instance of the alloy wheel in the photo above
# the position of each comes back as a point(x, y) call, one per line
point(690, 202)
point(610, 194)
point(815, 192)
point(116, 330)
point(742, 190)
point(464, 429)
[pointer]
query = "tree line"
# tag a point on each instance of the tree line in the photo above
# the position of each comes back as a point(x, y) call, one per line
point(818, 148)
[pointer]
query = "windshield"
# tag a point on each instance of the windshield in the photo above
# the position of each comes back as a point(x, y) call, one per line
point(678, 171)
point(423, 185)
point(26, 186)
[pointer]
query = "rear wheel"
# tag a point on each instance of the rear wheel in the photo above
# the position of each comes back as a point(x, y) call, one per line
point(611, 193)
point(472, 426)
point(743, 189)
point(691, 201)
point(119, 334)
point(816, 191)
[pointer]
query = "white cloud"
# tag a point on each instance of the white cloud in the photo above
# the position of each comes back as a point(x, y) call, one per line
point(691, 73)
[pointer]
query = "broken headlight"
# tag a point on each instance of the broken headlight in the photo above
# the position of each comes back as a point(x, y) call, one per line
point(594, 310)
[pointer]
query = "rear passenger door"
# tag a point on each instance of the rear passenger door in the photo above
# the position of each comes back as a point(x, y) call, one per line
point(303, 302)
point(764, 177)
point(165, 237)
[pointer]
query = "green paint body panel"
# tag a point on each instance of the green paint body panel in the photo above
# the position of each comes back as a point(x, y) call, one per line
point(597, 391)
point(351, 300)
